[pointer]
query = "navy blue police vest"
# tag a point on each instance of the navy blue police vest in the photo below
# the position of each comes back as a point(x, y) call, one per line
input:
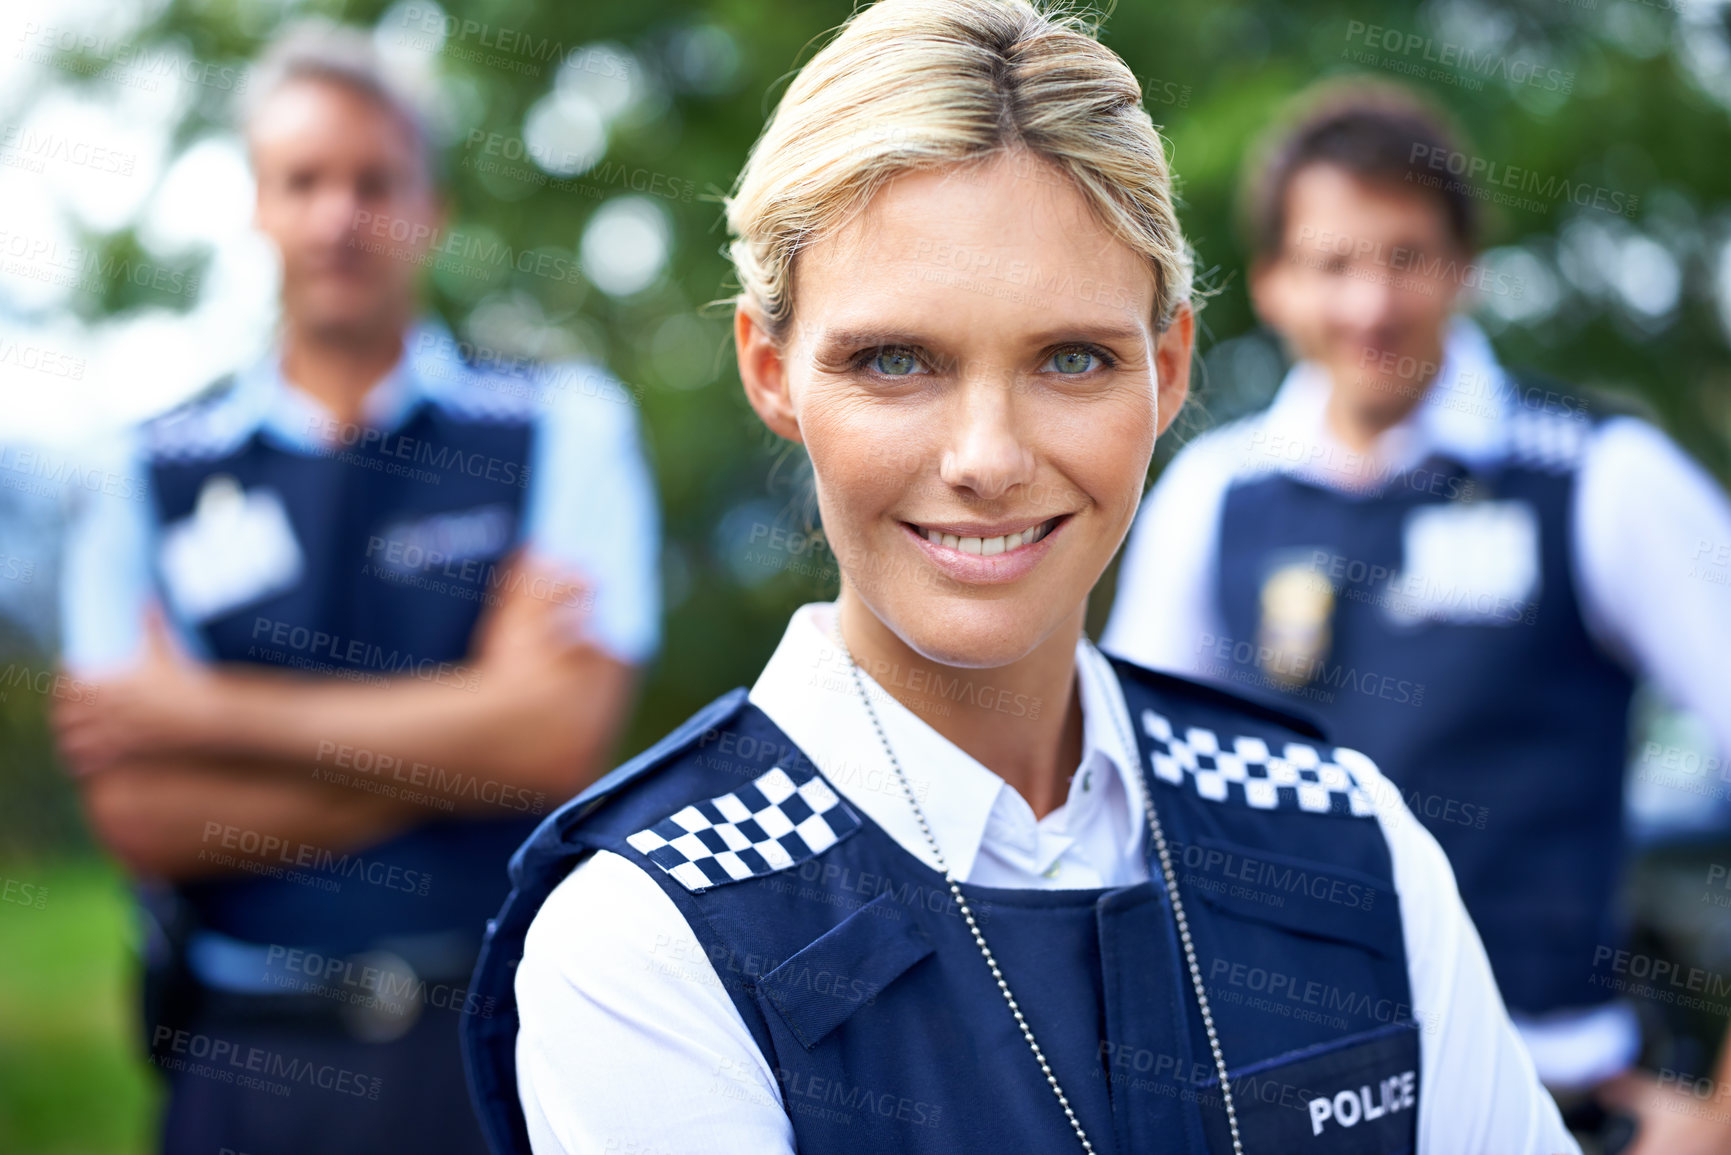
point(869, 999)
point(1503, 725)
point(400, 536)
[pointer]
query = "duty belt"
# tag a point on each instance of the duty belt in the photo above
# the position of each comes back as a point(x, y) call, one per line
point(376, 994)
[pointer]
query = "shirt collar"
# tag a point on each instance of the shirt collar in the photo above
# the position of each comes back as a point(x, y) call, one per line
point(808, 691)
point(1462, 415)
point(265, 401)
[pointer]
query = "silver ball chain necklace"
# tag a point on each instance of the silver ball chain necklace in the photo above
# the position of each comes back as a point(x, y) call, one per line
point(967, 913)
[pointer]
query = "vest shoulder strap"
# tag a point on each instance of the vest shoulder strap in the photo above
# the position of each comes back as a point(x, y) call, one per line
point(205, 425)
point(1172, 686)
point(1217, 748)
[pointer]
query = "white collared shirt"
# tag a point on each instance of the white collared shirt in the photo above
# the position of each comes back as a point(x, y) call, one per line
point(985, 828)
point(1648, 524)
point(628, 1041)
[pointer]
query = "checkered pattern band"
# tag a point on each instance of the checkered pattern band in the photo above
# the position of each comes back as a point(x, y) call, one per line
point(1247, 772)
point(1547, 440)
point(770, 825)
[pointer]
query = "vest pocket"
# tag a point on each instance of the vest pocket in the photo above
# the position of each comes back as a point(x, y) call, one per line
point(1305, 897)
point(819, 987)
point(1353, 1096)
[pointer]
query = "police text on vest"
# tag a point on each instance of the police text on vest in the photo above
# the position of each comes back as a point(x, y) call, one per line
point(1394, 1093)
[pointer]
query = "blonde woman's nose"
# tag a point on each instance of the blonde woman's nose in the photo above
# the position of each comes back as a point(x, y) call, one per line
point(986, 450)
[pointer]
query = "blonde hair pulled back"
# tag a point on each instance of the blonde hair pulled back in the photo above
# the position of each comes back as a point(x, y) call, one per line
point(921, 85)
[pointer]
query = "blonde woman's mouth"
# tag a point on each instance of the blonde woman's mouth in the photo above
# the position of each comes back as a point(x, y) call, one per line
point(986, 552)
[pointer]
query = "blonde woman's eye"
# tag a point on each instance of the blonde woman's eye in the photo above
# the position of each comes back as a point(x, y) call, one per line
point(1076, 360)
point(895, 362)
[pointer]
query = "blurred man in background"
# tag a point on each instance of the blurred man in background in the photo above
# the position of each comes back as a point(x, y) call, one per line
point(378, 612)
point(1460, 565)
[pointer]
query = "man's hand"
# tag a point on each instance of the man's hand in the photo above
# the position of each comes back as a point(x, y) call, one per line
point(163, 706)
point(1672, 1120)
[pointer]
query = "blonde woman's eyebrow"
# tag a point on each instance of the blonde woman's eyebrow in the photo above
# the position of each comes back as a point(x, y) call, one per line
point(1089, 331)
point(870, 339)
point(833, 340)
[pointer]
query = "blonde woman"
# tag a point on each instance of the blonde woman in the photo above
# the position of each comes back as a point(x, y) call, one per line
point(947, 879)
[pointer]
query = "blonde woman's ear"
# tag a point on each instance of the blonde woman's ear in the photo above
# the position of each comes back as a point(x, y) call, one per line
point(764, 374)
point(1172, 361)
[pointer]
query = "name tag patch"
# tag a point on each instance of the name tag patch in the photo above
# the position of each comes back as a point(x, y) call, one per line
point(454, 543)
point(1466, 562)
point(237, 547)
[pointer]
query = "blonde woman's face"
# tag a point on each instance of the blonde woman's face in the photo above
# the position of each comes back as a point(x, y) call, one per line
point(974, 370)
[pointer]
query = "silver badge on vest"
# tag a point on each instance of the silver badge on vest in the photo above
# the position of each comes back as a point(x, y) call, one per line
point(1295, 632)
